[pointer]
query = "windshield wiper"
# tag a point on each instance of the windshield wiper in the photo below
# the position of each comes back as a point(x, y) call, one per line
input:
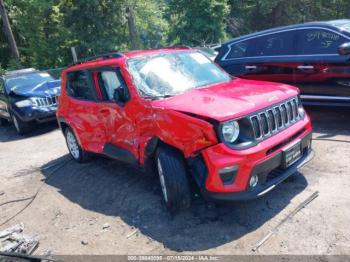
point(157, 97)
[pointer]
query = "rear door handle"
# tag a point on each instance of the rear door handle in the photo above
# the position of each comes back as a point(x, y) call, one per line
point(305, 67)
point(250, 67)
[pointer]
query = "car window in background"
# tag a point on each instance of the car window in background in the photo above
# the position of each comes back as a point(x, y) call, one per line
point(239, 50)
point(318, 41)
point(78, 85)
point(276, 44)
point(16, 82)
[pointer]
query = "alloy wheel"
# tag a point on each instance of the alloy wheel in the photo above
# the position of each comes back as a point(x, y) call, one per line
point(73, 145)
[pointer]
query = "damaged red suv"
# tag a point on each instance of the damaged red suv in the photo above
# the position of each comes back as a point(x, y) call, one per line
point(175, 112)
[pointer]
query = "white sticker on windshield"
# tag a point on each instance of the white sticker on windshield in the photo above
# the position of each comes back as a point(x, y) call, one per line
point(44, 74)
point(201, 59)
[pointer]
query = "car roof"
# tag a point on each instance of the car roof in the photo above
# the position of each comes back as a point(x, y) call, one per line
point(105, 60)
point(332, 24)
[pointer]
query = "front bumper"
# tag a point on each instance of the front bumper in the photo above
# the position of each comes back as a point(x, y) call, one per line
point(264, 160)
point(261, 189)
point(40, 115)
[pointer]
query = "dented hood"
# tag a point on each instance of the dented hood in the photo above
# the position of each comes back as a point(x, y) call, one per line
point(44, 89)
point(228, 100)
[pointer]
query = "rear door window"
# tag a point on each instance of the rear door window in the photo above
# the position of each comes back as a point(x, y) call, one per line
point(319, 41)
point(79, 85)
point(277, 44)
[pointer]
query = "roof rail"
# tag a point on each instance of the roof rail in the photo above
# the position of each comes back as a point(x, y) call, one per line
point(102, 56)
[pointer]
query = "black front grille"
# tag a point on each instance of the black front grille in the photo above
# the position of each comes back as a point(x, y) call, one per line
point(274, 119)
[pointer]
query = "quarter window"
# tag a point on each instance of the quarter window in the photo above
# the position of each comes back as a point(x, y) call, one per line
point(319, 41)
point(79, 85)
point(239, 50)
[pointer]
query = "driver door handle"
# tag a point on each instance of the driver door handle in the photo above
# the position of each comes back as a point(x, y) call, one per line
point(250, 67)
point(306, 67)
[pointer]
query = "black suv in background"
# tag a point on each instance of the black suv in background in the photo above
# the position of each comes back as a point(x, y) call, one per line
point(313, 56)
point(28, 96)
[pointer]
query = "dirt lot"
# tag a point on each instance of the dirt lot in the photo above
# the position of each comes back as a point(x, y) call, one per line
point(103, 203)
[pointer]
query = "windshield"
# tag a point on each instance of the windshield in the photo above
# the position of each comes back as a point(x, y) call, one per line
point(17, 82)
point(174, 73)
point(344, 27)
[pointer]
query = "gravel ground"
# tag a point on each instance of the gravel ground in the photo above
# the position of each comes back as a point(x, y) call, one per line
point(104, 207)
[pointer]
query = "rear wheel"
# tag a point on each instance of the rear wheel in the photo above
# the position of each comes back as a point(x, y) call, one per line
point(74, 148)
point(21, 127)
point(173, 179)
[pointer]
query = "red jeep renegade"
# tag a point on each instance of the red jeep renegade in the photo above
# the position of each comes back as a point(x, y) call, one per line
point(175, 112)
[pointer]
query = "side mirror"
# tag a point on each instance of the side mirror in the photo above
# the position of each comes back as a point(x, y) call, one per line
point(344, 49)
point(116, 95)
point(121, 95)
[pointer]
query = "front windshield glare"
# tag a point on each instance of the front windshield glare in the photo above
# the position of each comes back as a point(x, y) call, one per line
point(174, 73)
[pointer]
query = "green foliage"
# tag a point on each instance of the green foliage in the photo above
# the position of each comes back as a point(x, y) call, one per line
point(197, 22)
point(41, 38)
point(46, 29)
point(95, 26)
point(2, 70)
point(254, 15)
point(150, 23)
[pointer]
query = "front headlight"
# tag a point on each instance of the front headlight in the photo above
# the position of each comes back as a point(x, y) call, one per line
point(301, 109)
point(230, 131)
point(24, 103)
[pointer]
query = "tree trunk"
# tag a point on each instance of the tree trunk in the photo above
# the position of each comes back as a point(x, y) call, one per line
point(8, 31)
point(276, 14)
point(132, 30)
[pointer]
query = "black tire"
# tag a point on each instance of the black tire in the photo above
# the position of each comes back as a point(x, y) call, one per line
point(21, 127)
point(78, 154)
point(175, 187)
point(3, 122)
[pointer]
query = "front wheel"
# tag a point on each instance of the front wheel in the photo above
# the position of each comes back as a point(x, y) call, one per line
point(74, 148)
point(173, 179)
point(21, 127)
point(3, 122)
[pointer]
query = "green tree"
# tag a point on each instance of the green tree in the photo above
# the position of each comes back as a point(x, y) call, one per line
point(46, 29)
point(151, 25)
point(98, 26)
point(253, 15)
point(197, 22)
point(41, 38)
point(95, 26)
